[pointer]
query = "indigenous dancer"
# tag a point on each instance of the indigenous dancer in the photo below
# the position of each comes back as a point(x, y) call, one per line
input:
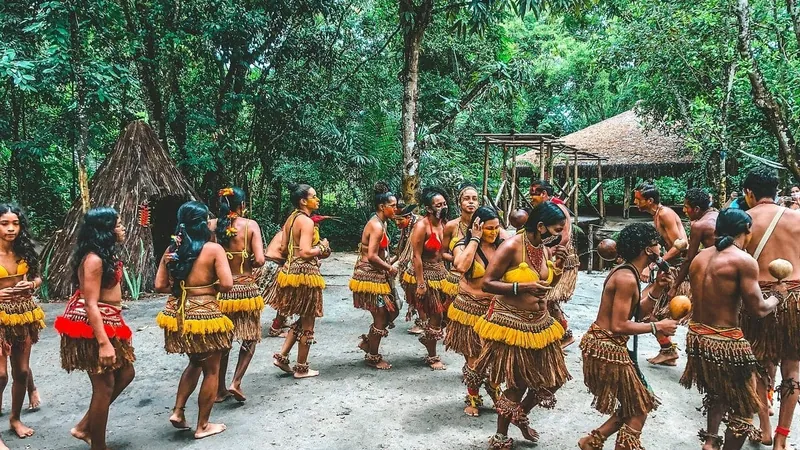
point(775, 338)
point(516, 220)
point(372, 290)
point(542, 191)
point(697, 207)
point(244, 247)
point(94, 337)
point(274, 259)
point(610, 371)
point(20, 317)
point(669, 226)
point(720, 360)
point(521, 341)
point(422, 281)
point(455, 230)
point(298, 289)
point(405, 221)
point(194, 271)
point(472, 256)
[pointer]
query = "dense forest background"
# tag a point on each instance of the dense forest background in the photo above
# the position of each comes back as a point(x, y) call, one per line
point(259, 93)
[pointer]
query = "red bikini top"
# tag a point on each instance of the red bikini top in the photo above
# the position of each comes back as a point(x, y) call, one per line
point(384, 242)
point(433, 244)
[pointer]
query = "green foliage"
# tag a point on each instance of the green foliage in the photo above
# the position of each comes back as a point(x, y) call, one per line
point(135, 282)
point(44, 289)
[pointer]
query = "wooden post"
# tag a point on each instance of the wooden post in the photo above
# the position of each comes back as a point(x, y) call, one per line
point(549, 162)
point(541, 161)
point(566, 178)
point(514, 191)
point(504, 177)
point(590, 267)
point(601, 203)
point(626, 200)
point(485, 172)
point(577, 184)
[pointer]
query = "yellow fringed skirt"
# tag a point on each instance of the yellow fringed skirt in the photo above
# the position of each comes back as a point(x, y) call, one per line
point(202, 328)
point(612, 377)
point(464, 313)
point(435, 300)
point(298, 289)
point(721, 363)
point(370, 287)
point(243, 305)
point(776, 336)
point(21, 319)
point(521, 348)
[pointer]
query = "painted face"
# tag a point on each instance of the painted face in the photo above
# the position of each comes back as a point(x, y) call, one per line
point(389, 209)
point(691, 212)
point(312, 201)
point(402, 222)
point(551, 236)
point(119, 230)
point(491, 229)
point(9, 226)
point(469, 200)
point(439, 207)
point(537, 195)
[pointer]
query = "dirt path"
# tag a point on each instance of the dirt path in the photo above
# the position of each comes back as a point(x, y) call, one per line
point(349, 406)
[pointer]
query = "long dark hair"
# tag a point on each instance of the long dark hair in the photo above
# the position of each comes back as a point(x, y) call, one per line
point(230, 199)
point(96, 235)
point(731, 223)
point(298, 192)
point(23, 244)
point(547, 213)
point(191, 235)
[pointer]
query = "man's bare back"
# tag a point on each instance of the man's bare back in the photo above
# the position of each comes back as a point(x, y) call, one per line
point(719, 281)
point(784, 242)
point(669, 226)
point(704, 228)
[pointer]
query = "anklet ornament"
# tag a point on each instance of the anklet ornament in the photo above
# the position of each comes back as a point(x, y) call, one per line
point(596, 440)
point(500, 442)
point(281, 358)
point(301, 369)
point(716, 440)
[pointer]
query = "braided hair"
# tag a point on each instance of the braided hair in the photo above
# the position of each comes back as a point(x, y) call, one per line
point(731, 223)
point(191, 235)
point(23, 244)
point(230, 199)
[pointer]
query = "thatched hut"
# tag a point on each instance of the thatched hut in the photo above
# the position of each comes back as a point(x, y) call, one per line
point(138, 179)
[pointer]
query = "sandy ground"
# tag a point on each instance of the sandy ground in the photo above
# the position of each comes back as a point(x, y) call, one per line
point(350, 406)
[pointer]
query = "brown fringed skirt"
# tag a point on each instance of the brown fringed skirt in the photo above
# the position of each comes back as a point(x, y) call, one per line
point(464, 313)
point(298, 289)
point(612, 377)
point(79, 347)
point(266, 276)
point(243, 305)
point(563, 290)
point(521, 348)
point(721, 363)
point(21, 319)
point(201, 328)
point(435, 300)
point(776, 336)
point(371, 288)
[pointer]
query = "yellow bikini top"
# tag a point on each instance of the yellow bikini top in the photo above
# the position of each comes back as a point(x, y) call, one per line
point(314, 240)
point(478, 271)
point(244, 254)
point(456, 238)
point(22, 269)
point(524, 274)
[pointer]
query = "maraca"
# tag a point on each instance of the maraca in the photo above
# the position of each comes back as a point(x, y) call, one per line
point(680, 244)
point(607, 249)
point(679, 306)
point(780, 269)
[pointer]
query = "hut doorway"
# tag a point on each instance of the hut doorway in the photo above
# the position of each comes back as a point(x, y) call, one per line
point(163, 221)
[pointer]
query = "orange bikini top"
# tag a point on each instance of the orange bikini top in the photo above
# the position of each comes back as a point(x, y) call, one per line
point(433, 244)
point(22, 269)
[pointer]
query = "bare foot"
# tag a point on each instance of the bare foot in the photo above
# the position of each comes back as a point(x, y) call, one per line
point(237, 393)
point(566, 342)
point(528, 433)
point(284, 366)
point(416, 329)
point(209, 430)
point(664, 359)
point(3, 446)
point(222, 396)
point(471, 411)
point(364, 343)
point(22, 431)
point(438, 365)
point(178, 419)
point(34, 400)
point(78, 434)
point(309, 374)
point(380, 365)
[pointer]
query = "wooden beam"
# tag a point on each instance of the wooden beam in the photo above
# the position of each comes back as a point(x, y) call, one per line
point(504, 176)
point(513, 178)
point(541, 162)
point(601, 202)
point(591, 249)
point(596, 187)
point(486, 171)
point(588, 199)
point(626, 199)
point(577, 182)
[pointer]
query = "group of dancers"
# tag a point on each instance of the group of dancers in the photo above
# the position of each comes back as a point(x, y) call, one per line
point(493, 295)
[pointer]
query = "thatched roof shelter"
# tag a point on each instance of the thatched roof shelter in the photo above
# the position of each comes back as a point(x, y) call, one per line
point(628, 149)
point(137, 175)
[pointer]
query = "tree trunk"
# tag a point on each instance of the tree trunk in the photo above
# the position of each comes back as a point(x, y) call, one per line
point(415, 20)
point(791, 8)
point(82, 122)
point(762, 97)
